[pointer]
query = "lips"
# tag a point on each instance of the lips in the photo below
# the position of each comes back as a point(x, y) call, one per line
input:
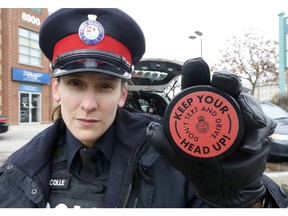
point(87, 122)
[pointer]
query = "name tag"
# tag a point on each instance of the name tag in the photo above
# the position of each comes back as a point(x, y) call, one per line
point(59, 183)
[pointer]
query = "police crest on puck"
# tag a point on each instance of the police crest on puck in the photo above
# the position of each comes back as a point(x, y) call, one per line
point(203, 123)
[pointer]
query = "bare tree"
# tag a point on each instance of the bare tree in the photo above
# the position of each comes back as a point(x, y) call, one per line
point(252, 57)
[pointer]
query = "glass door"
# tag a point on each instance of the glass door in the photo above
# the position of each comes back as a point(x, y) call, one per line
point(24, 108)
point(30, 110)
point(35, 107)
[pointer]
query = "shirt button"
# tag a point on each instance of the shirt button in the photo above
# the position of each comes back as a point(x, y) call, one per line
point(146, 171)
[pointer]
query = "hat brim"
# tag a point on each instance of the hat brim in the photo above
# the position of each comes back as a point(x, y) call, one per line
point(91, 61)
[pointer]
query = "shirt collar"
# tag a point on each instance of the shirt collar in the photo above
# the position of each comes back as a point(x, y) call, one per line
point(105, 144)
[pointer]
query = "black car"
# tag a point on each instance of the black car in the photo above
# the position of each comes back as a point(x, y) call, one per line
point(3, 124)
point(153, 84)
point(279, 147)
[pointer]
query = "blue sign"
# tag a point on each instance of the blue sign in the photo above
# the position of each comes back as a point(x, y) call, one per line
point(30, 88)
point(30, 76)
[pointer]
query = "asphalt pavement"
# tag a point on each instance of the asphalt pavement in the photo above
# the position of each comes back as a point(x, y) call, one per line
point(18, 135)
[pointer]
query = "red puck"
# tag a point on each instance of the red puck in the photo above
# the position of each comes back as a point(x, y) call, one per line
point(203, 123)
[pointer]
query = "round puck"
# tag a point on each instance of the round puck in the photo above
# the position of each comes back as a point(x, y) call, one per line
point(203, 123)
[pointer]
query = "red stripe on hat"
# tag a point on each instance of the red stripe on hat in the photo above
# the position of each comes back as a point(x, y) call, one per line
point(108, 44)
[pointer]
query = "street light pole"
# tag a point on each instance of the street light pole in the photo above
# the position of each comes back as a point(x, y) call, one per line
point(200, 34)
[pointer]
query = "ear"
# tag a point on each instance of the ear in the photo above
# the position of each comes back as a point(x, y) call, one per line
point(55, 90)
point(123, 97)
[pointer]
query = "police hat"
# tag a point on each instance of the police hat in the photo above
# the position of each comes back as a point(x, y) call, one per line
point(104, 40)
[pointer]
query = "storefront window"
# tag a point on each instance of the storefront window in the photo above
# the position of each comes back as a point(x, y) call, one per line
point(29, 51)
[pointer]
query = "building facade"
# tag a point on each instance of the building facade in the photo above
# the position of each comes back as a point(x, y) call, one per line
point(266, 92)
point(25, 93)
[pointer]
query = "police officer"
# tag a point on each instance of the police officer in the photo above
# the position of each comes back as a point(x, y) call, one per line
point(96, 154)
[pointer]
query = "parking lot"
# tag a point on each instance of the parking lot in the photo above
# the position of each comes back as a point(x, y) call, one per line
point(18, 135)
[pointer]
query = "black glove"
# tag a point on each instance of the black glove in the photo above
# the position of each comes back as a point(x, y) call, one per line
point(235, 181)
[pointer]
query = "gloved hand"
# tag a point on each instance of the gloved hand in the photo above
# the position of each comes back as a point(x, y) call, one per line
point(235, 181)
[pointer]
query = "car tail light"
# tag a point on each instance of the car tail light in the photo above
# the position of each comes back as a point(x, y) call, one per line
point(3, 119)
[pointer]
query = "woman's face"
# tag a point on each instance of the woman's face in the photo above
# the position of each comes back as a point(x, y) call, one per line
point(89, 102)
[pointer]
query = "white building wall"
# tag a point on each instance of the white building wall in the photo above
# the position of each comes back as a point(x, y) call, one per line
point(267, 92)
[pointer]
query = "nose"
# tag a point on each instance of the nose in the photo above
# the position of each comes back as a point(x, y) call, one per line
point(89, 101)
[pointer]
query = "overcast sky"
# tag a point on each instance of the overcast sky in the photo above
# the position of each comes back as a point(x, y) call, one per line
point(167, 24)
